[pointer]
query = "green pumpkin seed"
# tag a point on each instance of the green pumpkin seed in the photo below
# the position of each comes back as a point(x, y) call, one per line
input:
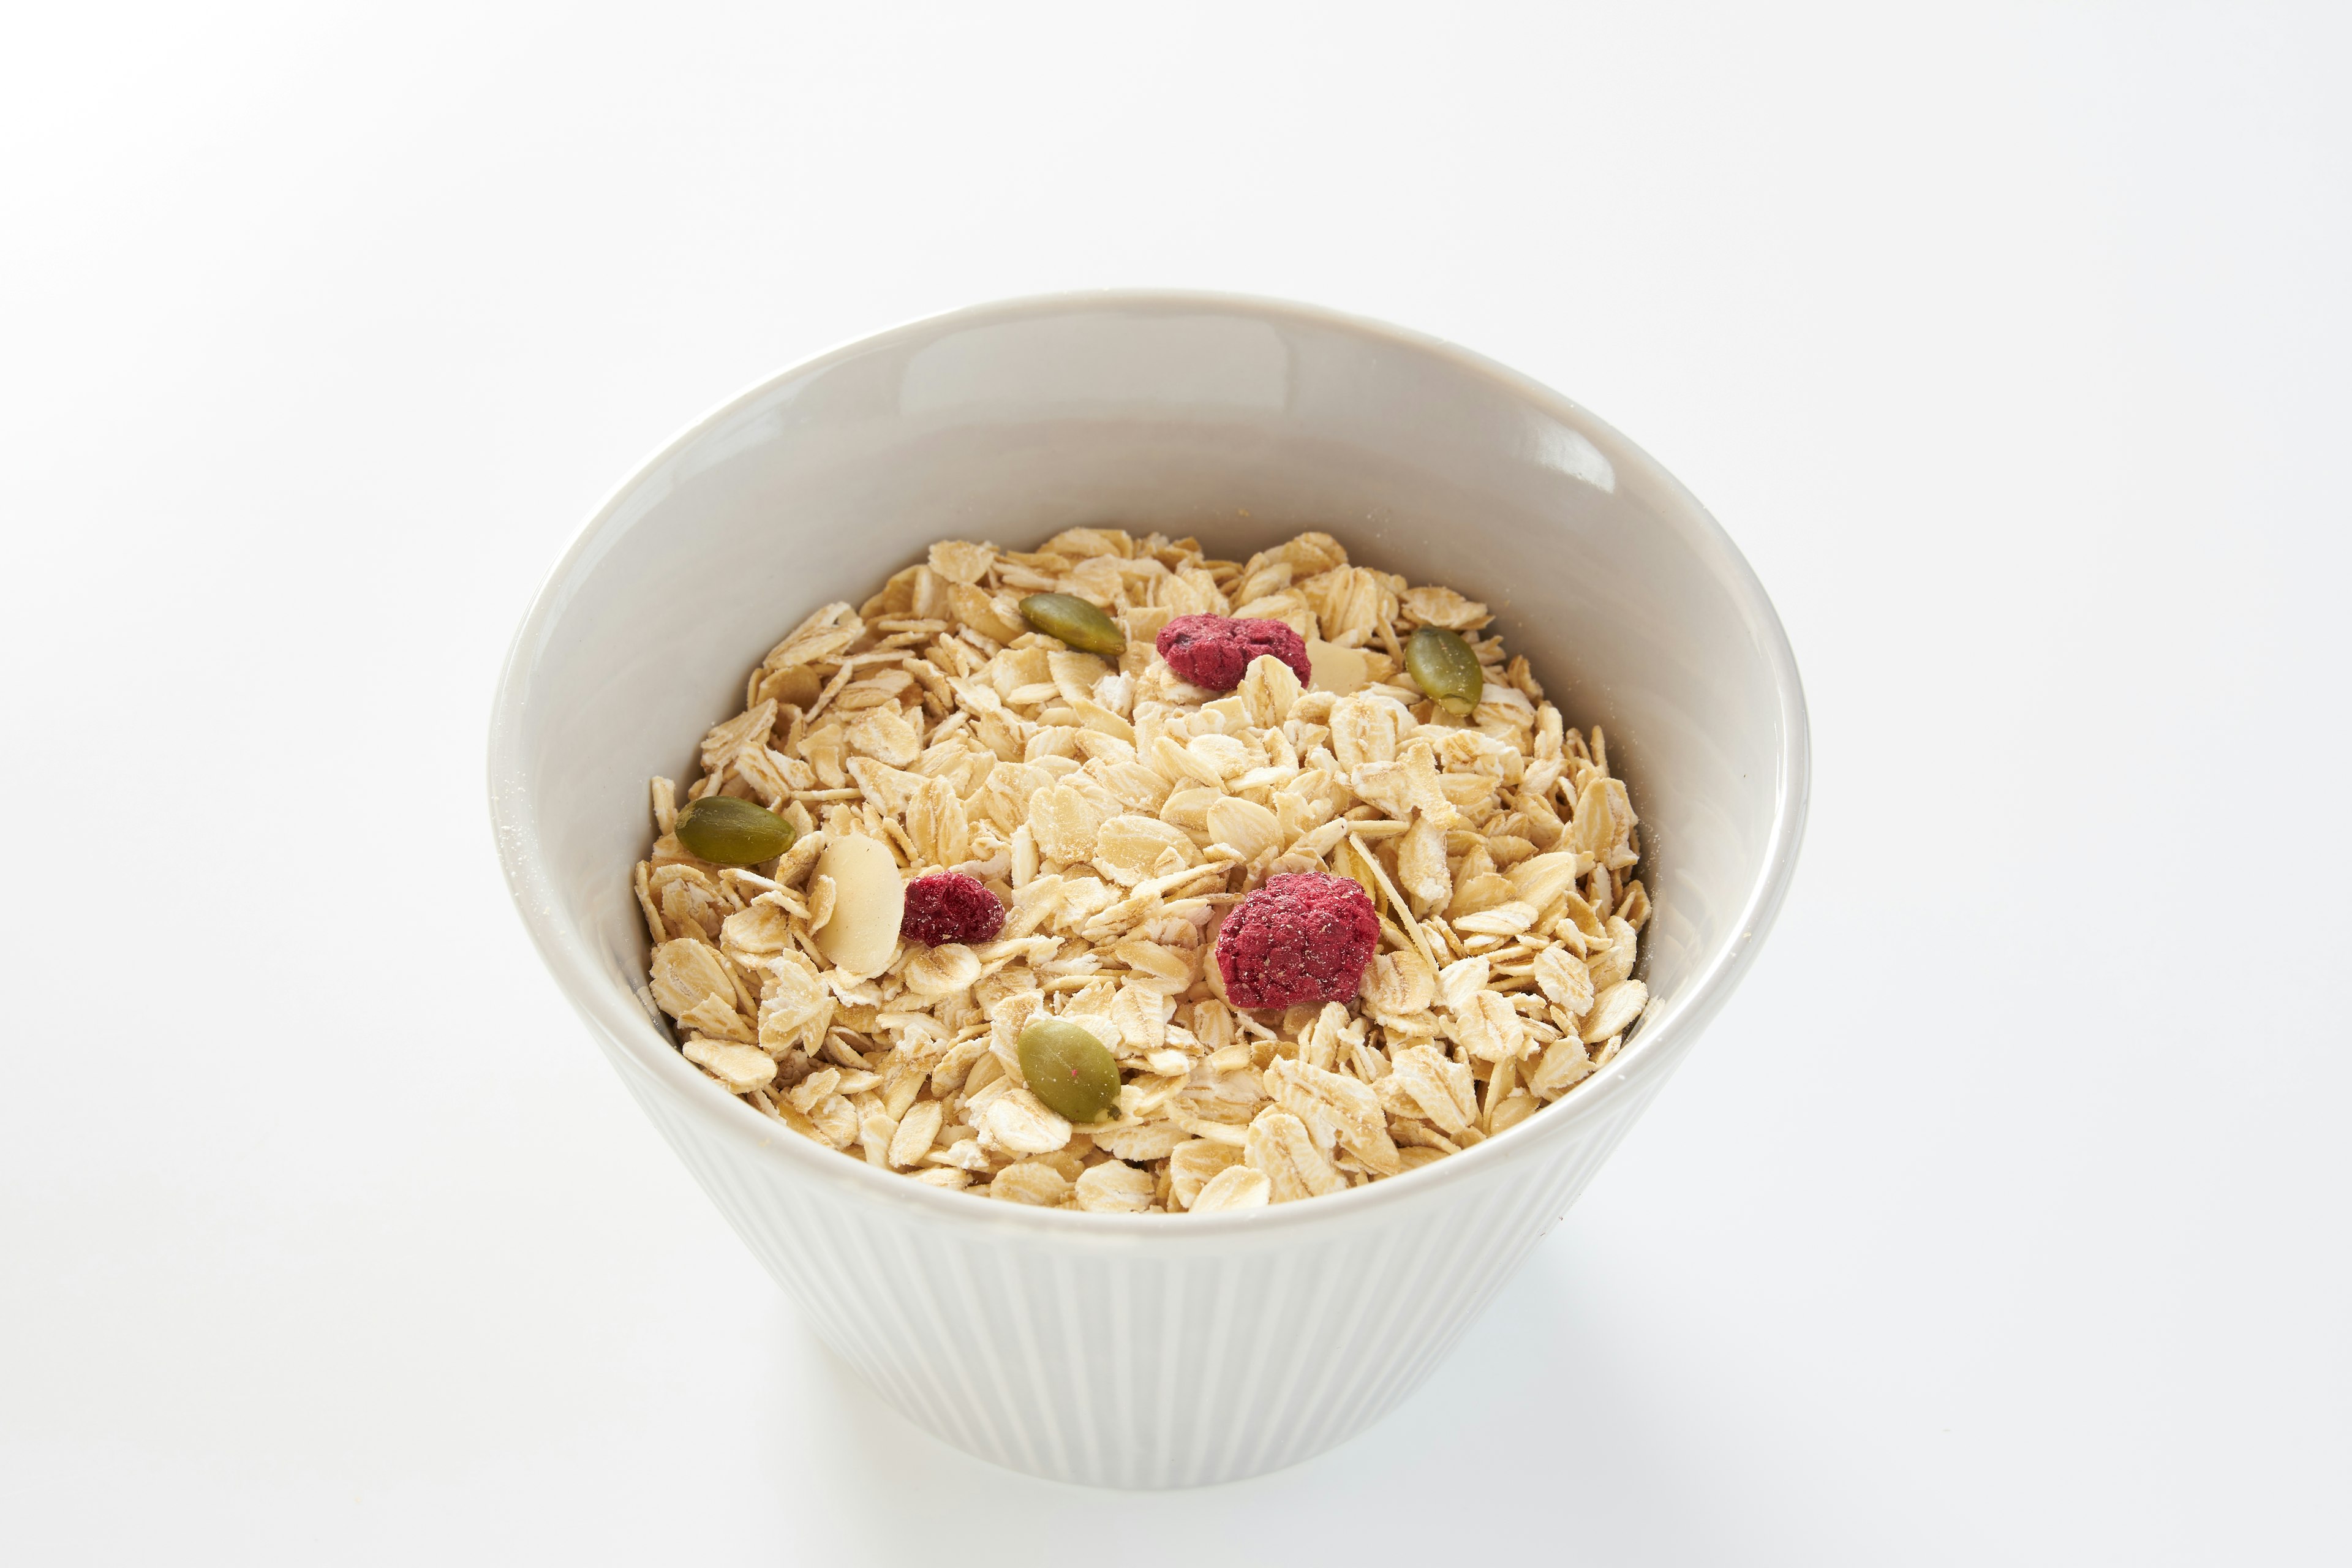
point(1076, 622)
point(729, 832)
point(1442, 664)
point(1069, 1069)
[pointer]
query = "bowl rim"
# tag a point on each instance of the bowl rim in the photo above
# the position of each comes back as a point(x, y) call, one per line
point(620, 1016)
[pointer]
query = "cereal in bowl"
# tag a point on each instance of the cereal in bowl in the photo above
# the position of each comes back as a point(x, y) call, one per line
point(981, 888)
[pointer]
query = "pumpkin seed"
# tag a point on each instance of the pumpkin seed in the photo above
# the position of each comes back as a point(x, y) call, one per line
point(1442, 665)
point(726, 831)
point(1069, 1069)
point(1076, 622)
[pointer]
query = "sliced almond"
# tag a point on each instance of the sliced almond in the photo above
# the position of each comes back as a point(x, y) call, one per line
point(868, 902)
point(1338, 671)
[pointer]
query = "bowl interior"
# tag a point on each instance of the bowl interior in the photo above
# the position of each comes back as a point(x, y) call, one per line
point(1238, 422)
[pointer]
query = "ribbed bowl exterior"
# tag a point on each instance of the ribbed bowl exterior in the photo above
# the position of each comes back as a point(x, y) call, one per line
point(1135, 1350)
point(1142, 1360)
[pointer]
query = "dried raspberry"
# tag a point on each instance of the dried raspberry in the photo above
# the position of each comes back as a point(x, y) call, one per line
point(1305, 936)
point(947, 906)
point(1215, 652)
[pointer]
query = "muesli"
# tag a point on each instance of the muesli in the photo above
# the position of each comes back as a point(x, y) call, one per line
point(1106, 876)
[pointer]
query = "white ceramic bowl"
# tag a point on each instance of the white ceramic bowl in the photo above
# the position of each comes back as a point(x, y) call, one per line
point(1143, 1351)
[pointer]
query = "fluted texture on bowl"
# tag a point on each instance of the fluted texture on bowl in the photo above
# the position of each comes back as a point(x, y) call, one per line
point(1170, 1360)
point(1132, 1349)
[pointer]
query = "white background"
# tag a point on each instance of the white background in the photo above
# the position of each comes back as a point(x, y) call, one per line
point(2001, 1218)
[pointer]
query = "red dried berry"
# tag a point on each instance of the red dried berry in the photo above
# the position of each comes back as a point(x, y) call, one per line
point(1215, 652)
point(1305, 936)
point(947, 906)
